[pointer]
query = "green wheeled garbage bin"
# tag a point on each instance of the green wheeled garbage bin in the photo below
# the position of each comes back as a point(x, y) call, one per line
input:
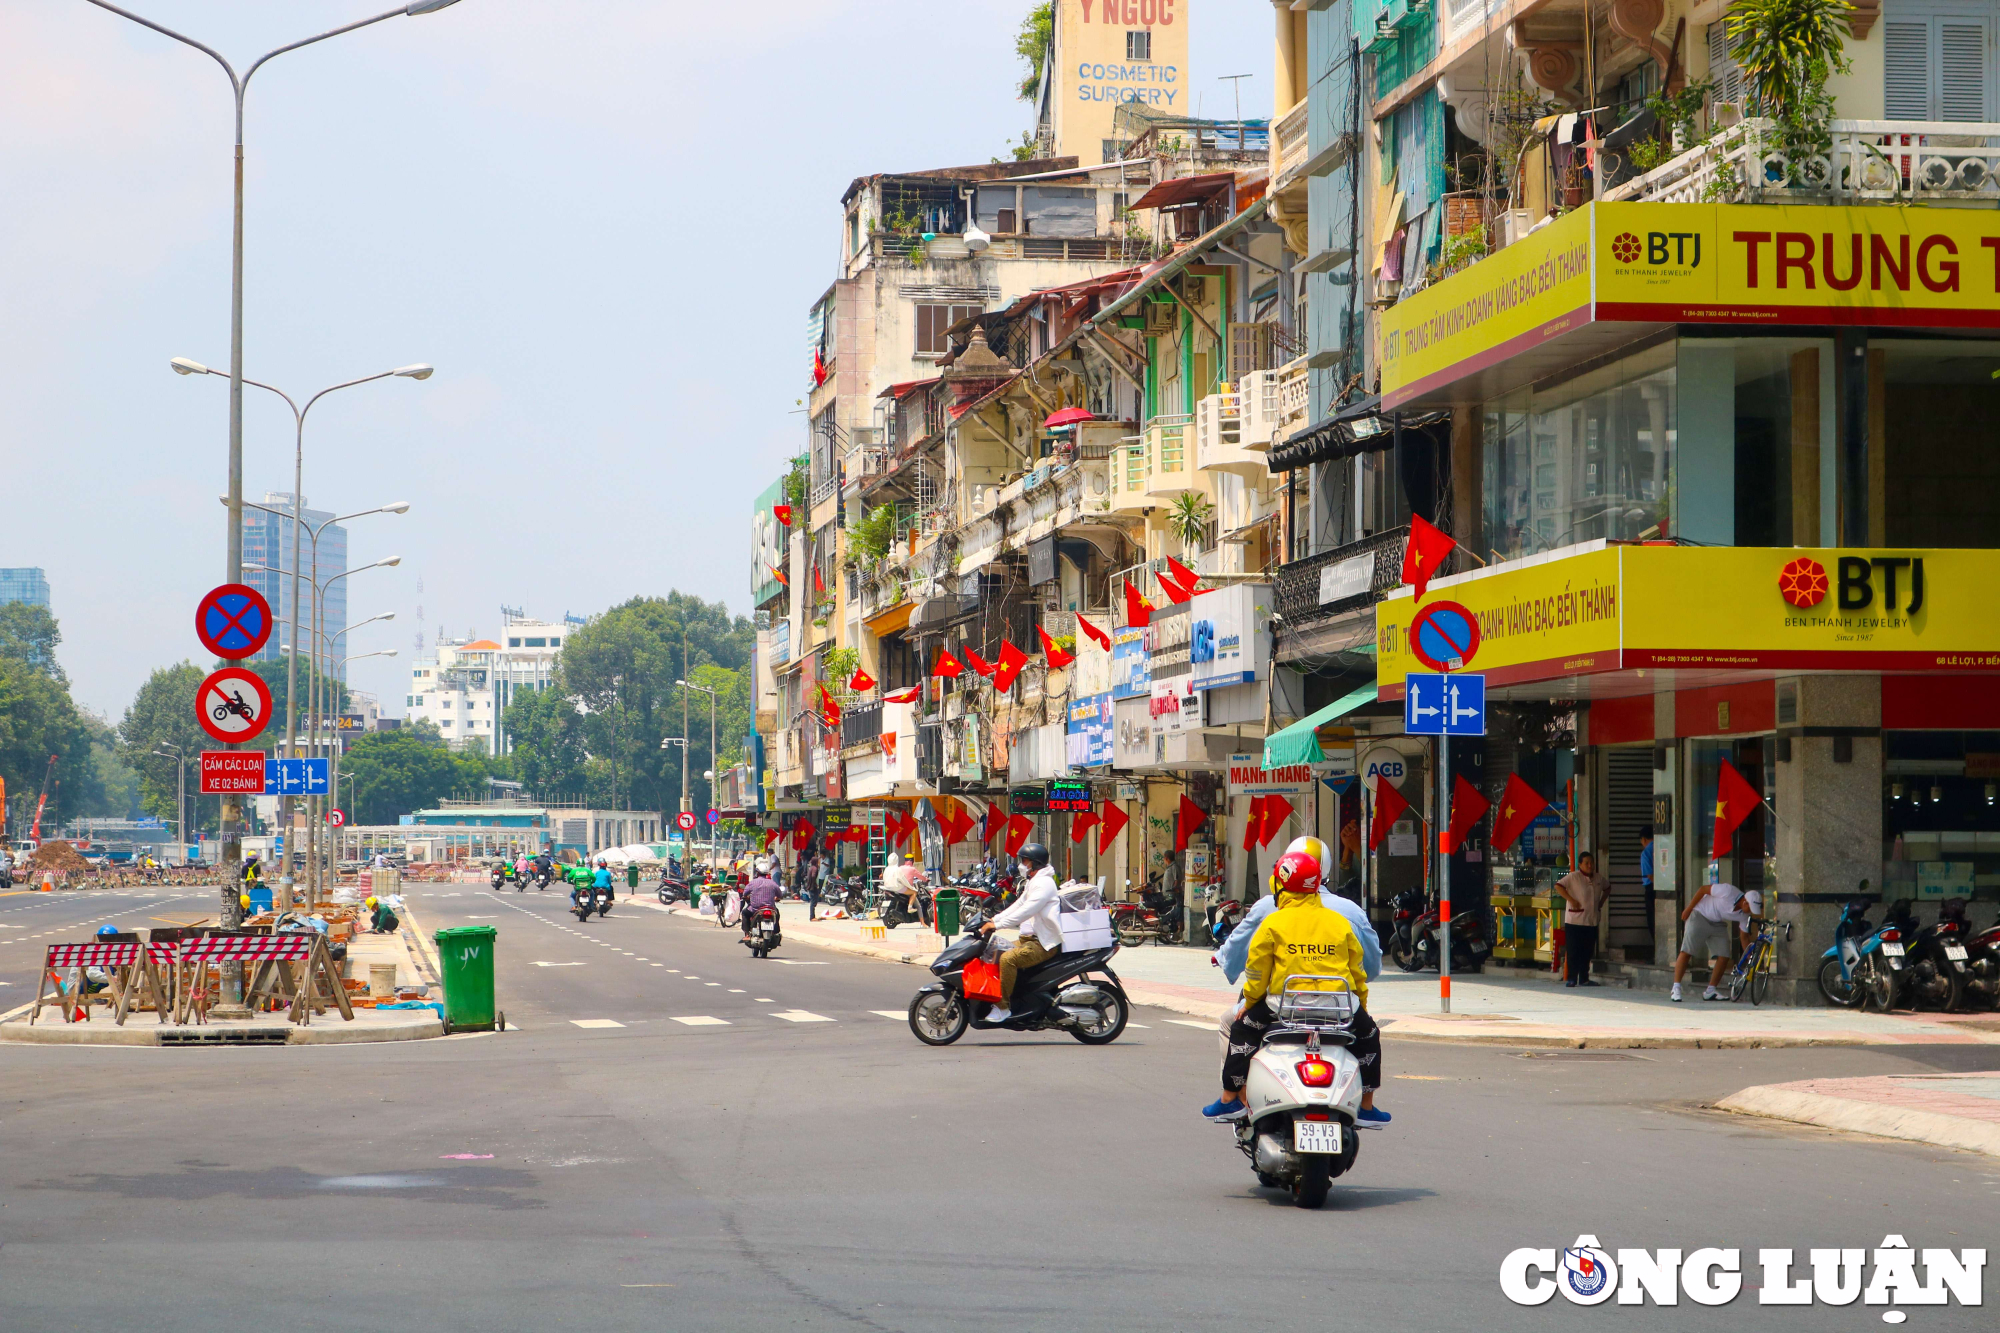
point(465, 961)
point(946, 904)
point(632, 875)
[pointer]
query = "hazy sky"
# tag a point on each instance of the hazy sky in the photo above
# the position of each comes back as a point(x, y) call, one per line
point(602, 221)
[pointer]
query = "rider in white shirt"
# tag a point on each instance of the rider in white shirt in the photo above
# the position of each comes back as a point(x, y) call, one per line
point(1034, 913)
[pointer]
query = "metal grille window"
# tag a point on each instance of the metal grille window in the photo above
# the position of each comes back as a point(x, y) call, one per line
point(1139, 46)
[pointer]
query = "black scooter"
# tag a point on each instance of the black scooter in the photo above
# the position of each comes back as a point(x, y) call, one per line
point(672, 890)
point(1059, 995)
point(585, 900)
point(896, 909)
point(764, 932)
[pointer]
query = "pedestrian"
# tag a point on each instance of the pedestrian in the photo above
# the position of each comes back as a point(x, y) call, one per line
point(822, 880)
point(1707, 917)
point(1646, 871)
point(1584, 890)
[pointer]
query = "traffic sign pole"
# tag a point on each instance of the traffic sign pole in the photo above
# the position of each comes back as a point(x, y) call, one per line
point(1444, 874)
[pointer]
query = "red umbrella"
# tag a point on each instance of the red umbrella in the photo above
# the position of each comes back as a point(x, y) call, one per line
point(1067, 416)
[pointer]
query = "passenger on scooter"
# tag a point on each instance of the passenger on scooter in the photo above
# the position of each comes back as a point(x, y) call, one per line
point(1034, 912)
point(762, 892)
point(1302, 936)
point(1237, 947)
point(601, 878)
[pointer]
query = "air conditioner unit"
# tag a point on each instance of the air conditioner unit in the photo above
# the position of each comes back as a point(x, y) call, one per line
point(1162, 318)
point(1194, 290)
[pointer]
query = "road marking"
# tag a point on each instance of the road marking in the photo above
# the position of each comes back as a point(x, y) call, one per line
point(899, 1015)
point(711, 983)
point(673, 969)
point(597, 1022)
point(736, 992)
point(798, 962)
point(703, 1021)
point(1190, 1023)
point(645, 960)
point(659, 965)
point(765, 1000)
point(689, 976)
point(541, 964)
point(802, 1016)
point(1136, 1025)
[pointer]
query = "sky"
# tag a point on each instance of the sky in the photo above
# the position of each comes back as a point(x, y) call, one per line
point(602, 221)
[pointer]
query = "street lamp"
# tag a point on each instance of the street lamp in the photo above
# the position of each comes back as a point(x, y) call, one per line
point(181, 794)
point(709, 773)
point(232, 844)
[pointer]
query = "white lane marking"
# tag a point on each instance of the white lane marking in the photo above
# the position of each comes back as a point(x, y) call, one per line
point(739, 992)
point(711, 983)
point(648, 960)
point(799, 962)
point(1190, 1023)
point(703, 1021)
point(673, 969)
point(802, 1016)
point(899, 1015)
point(689, 976)
point(539, 964)
point(597, 1022)
point(763, 1000)
point(659, 965)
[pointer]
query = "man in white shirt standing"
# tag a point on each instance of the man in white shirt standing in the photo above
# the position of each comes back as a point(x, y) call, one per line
point(1034, 913)
point(1708, 918)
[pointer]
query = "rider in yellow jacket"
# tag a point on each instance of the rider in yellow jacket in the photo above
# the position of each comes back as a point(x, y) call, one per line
point(1303, 937)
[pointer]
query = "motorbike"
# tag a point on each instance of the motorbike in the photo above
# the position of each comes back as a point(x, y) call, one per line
point(542, 877)
point(585, 899)
point(672, 890)
point(1413, 942)
point(1982, 971)
point(1077, 993)
point(1304, 1091)
point(765, 932)
point(1223, 918)
point(1935, 975)
point(1863, 967)
point(854, 901)
point(896, 909)
point(502, 875)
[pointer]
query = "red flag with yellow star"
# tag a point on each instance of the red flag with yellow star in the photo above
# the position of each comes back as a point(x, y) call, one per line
point(1519, 804)
point(1735, 800)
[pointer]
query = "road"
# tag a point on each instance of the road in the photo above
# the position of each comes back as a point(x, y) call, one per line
point(680, 1136)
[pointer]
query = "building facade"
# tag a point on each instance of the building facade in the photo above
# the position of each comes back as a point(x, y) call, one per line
point(465, 686)
point(267, 543)
point(29, 584)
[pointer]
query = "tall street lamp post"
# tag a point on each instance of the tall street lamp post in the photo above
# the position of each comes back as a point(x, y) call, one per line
point(232, 806)
point(710, 774)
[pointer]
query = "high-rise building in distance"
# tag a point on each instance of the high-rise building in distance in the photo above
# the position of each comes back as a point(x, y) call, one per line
point(29, 584)
point(267, 542)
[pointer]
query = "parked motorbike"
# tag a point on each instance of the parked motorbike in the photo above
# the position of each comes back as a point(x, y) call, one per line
point(1060, 995)
point(765, 933)
point(1417, 924)
point(855, 900)
point(1863, 966)
point(1982, 970)
point(1223, 918)
point(1935, 975)
point(1305, 1086)
point(673, 890)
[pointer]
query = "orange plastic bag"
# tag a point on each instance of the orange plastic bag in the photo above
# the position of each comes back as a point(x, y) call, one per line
point(982, 979)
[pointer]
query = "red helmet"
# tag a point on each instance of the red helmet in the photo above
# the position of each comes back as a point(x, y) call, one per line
point(1297, 872)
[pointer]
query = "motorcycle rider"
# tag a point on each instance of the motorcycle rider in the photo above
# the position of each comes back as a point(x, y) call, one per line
point(1302, 936)
point(1235, 951)
point(1034, 912)
point(761, 892)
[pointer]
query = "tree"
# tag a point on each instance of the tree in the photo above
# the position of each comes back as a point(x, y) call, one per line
point(37, 720)
point(1032, 43)
point(332, 697)
point(29, 633)
point(549, 751)
point(161, 717)
point(400, 772)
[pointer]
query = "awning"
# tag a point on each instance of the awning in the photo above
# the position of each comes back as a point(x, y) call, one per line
point(907, 387)
point(1192, 254)
point(890, 621)
point(1185, 190)
point(1359, 428)
point(1297, 744)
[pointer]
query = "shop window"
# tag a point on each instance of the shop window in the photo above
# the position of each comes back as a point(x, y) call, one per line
point(1940, 424)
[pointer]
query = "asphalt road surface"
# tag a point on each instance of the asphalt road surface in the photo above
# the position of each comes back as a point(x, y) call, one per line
point(682, 1137)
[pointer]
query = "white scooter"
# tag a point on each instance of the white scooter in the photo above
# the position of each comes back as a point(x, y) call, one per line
point(1304, 1091)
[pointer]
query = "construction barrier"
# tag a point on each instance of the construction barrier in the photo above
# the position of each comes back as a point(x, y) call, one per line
point(127, 963)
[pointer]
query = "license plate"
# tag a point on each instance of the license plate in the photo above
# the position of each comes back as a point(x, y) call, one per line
point(1316, 1136)
point(1955, 952)
point(1892, 949)
point(1479, 948)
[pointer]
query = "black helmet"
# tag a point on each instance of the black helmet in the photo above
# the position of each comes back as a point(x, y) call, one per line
point(1035, 855)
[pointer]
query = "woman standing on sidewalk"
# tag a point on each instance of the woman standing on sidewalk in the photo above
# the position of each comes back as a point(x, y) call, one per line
point(1584, 890)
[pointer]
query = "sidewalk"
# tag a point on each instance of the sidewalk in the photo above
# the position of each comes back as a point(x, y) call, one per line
point(1493, 1007)
point(1950, 1110)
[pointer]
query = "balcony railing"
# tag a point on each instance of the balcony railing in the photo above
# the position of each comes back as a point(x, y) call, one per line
point(1168, 456)
point(1875, 161)
point(1294, 398)
point(1258, 393)
point(1377, 566)
point(1218, 438)
point(1288, 142)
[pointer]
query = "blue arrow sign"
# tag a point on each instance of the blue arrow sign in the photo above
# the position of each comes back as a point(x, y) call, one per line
point(296, 777)
point(1453, 705)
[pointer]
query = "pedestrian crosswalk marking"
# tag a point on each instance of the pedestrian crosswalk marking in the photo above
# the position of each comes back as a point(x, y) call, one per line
point(597, 1022)
point(1190, 1023)
point(801, 1016)
point(703, 1021)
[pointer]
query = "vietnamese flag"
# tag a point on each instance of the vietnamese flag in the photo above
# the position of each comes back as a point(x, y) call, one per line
point(1519, 804)
point(889, 746)
point(1081, 825)
point(783, 514)
point(1468, 807)
point(1057, 657)
point(976, 662)
point(819, 582)
point(779, 575)
point(1276, 811)
point(1138, 611)
point(770, 836)
point(1389, 807)
point(1186, 821)
point(1183, 583)
point(995, 818)
point(1253, 823)
point(860, 682)
point(819, 368)
point(908, 696)
point(1425, 551)
point(958, 825)
point(830, 710)
point(1011, 661)
point(802, 835)
point(1018, 829)
point(947, 667)
point(1735, 801)
point(1097, 636)
point(1114, 822)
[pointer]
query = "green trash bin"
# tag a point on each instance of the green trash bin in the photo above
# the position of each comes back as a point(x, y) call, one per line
point(465, 962)
point(946, 903)
point(632, 875)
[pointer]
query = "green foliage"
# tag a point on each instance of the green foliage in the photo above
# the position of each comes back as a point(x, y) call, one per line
point(400, 772)
point(332, 697)
point(549, 748)
point(28, 633)
point(1457, 253)
point(1679, 115)
point(1187, 517)
point(836, 668)
point(38, 719)
point(1031, 44)
point(798, 486)
point(1788, 49)
point(160, 717)
point(868, 541)
point(1023, 151)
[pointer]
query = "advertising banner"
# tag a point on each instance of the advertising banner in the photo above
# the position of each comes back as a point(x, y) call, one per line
point(1249, 777)
point(1090, 730)
point(1229, 638)
point(1131, 677)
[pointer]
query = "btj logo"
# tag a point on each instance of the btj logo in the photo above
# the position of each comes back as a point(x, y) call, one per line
point(1669, 249)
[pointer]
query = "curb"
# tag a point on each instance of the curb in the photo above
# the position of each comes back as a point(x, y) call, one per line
point(1776, 1102)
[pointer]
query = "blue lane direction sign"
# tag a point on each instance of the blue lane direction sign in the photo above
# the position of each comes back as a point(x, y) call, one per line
point(1449, 705)
point(297, 777)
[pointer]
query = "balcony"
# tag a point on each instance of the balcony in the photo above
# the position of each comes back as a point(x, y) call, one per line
point(1169, 458)
point(1258, 396)
point(1288, 142)
point(1294, 399)
point(1218, 438)
point(1343, 579)
point(1872, 161)
point(1130, 471)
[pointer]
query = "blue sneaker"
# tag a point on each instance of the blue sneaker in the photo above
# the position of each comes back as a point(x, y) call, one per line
point(1371, 1115)
point(1221, 1111)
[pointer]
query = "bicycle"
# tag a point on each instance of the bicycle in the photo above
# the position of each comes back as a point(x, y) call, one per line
point(1754, 969)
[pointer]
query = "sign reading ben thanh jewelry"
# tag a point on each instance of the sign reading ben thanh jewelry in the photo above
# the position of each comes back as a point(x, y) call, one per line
point(1621, 608)
point(1696, 263)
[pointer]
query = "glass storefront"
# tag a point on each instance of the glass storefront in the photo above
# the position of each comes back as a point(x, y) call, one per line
point(1941, 815)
